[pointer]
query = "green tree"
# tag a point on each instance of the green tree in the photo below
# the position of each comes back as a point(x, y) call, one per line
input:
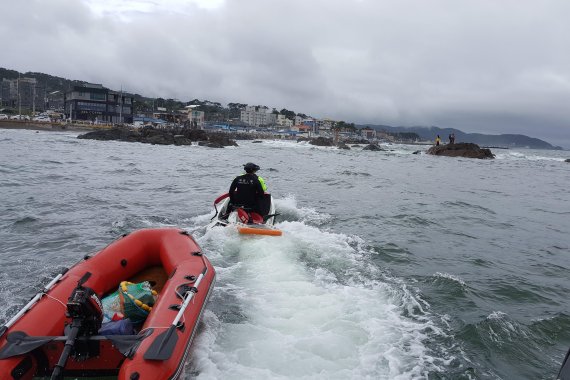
point(288, 114)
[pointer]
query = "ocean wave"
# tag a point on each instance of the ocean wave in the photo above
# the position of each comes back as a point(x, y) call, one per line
point(25, 221)
point(127, 170)
point(513, 155)
point(467, 205)
point(351, 173)
point(134, 222)
point(449, 278)
point(288, 210)
point(552, 329)
point(391, 252)
point(410, 220)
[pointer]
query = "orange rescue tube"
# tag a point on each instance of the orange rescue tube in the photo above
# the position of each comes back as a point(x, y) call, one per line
point(259, 231)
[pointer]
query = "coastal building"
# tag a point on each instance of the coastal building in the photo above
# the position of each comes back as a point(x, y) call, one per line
point(283, 121)
point(258, 115)
point(383, 135)
point(140, 121)
point(368, 133)
point(325, 124)
point(8, 93)
point(312, 123)
point(55, 100)
point(25, 93)
point(93, 102)
point(175, 117)
point(196, 118)
point(302, 130)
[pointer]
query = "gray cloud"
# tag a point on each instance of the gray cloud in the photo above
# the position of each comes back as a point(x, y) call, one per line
point(481, 66)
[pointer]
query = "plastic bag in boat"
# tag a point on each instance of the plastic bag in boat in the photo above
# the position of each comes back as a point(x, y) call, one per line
point(134, 301)
point(111, 306)
point(122, 327)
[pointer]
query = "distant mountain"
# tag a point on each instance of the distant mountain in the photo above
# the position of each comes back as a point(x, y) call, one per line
point(506, 140)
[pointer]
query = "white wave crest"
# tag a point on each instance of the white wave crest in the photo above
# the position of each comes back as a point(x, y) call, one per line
point(452, 277)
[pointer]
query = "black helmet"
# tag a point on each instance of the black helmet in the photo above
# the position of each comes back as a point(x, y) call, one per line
point(250, 167)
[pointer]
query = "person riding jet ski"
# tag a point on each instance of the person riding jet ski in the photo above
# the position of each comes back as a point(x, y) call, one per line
point(247, 190)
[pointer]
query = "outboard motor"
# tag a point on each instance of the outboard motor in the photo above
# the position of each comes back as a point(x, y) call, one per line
point(86, 313)
point(84, 304)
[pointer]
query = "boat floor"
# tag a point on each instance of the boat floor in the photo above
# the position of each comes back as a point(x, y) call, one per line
point(156, 275)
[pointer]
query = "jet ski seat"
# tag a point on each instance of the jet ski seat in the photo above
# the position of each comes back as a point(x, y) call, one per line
point(264, 205)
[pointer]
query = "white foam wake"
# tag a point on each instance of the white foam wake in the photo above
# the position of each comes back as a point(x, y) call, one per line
point(305, 305)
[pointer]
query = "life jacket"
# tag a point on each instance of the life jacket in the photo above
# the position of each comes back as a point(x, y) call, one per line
point(246, 190)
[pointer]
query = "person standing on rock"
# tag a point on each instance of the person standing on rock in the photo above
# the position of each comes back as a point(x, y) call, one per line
point(247, 189)
point(437, 140)
point(452, 138)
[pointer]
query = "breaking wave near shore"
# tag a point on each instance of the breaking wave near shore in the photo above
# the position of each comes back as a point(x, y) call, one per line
point(309, 304)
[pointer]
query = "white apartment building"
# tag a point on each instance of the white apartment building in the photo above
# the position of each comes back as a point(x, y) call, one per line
point(196, 118)
point(284, 122)
point(325, 124)
point(256, 116)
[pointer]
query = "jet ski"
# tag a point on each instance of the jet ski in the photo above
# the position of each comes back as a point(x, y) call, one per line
point(246, 221)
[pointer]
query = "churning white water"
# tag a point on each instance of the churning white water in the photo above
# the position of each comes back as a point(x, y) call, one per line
point(303, 306)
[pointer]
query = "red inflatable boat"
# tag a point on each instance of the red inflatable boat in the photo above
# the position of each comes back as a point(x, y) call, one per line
point(56, 335)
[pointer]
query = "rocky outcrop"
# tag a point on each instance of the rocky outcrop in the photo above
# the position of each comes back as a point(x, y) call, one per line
point(182, 140)
point(160, 136)
point(121, 134)
point(373, 147)
point(321, 141)
point(221, 140)
point(343, 146)
point(468, 150)
point(567, 160)
point(210, 145)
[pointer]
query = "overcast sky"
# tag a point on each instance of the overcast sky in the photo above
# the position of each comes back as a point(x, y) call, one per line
point(489, 66)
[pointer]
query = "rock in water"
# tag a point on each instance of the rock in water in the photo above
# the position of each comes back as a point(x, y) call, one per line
point(374, 147)
point(468, 150)
point(321, 141)
point(161, 136)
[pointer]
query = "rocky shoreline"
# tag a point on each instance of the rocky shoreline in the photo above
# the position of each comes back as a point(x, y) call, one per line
point(161, 136)
point(186, 136)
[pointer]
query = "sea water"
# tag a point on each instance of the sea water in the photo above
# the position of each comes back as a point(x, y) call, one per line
point(391, 266)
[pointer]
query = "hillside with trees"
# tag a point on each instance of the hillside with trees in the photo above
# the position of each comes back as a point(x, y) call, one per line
point(503, 140)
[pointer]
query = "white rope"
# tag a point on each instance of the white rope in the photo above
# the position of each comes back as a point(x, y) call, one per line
point(55, 299)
